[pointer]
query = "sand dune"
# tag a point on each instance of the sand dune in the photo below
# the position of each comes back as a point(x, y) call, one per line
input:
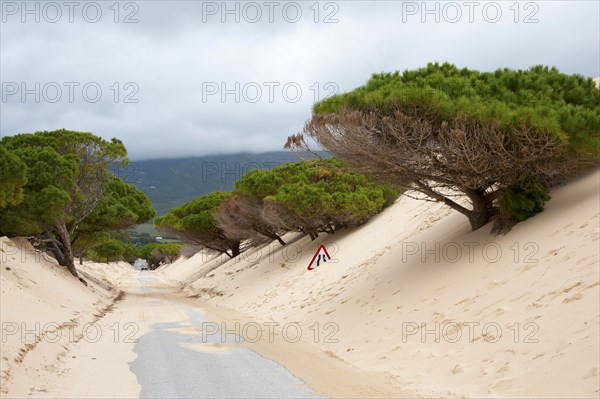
point(431, 306)
point(43, 309)
point(412, 303)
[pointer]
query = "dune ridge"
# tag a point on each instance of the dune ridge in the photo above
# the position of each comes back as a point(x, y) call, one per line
point(413, 302)
point(435, 308)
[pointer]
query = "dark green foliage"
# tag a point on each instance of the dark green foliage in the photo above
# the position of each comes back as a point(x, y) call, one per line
point(156, 253)
point(252, 218)
point(145, 251)
point(523, 200)
point(48, 192)
point(448, 132)
point(313, 196)
point(88, 240)
point(170, 183)
point(568, 106)
point(13, 176)
point(131, 253)
point(322, 194)
point(64, 171)
point(166, 252)
point(194, 223)
point(121, 206)
point(69, 195)
point(518, 203)
point(194, 216)
point(112, 251)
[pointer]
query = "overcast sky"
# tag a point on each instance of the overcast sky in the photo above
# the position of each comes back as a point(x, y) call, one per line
point(185, 78)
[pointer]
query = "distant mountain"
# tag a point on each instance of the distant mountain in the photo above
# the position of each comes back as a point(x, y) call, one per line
point(171, 182)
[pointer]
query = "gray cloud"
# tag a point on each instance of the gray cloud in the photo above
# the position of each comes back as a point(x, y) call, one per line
point(170, 57)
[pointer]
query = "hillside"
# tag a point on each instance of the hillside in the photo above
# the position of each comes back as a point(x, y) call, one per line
point(171, 182)
point(428, 305)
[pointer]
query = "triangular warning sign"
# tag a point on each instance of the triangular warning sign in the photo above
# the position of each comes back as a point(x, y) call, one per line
point(320, 257)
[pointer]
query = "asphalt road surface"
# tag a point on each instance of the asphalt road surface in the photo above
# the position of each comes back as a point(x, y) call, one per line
point(153, 346)
point(167, 366)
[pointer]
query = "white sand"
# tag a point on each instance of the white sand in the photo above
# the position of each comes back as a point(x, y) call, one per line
point(540, 292)
point(43, 309)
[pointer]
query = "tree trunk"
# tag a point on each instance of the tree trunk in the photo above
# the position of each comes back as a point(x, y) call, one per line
point(67, 252)
point(482, 203)
point(278, 238)
point(482, 209)
point(63, 237)
point(56, 252)
point(478, 219)
point(235, 249)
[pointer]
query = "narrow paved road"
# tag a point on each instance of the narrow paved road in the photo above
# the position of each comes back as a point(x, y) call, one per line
point(152, 346)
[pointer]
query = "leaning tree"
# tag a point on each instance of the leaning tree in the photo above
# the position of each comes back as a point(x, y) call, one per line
point(121, 206)
point(67, 180)
point(478, 142)
point(313, 197)
point(244, 216)
point(194, 223)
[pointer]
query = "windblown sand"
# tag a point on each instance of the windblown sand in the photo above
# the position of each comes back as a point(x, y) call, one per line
point(43, 310)
point(437, 309)
point(411, 302)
